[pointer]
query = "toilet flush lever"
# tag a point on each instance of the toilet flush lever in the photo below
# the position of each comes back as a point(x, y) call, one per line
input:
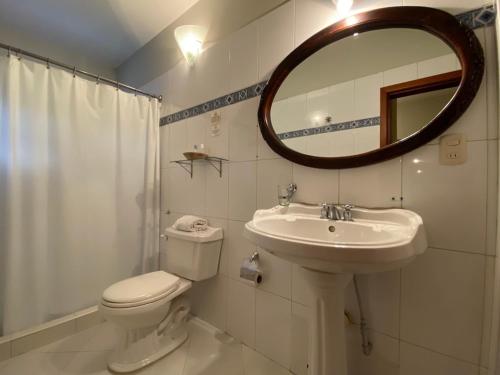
point(164, 237)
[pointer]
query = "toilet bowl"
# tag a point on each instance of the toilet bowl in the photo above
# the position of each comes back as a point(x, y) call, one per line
point(150, 309)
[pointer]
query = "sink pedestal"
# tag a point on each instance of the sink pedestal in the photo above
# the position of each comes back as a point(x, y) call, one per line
point(327, 345)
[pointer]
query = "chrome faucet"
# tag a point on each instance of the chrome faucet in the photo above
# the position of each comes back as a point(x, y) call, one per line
point(331, 211)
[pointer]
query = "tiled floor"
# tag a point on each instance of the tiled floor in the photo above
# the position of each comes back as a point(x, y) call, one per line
point(206, 352)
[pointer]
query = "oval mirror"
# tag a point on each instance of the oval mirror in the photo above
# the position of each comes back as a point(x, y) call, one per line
point(371, 87)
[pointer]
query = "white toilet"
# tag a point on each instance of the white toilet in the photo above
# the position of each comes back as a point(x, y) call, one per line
point(151, 308)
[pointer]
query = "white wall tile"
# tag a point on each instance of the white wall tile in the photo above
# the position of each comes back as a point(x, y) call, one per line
point(297, 144)
point(196, 131)
point(185, 194)
point(341, 98)
point(384, 185)
point(217, 142)
point(492, 198)
point(263, 149)
point(318, 108)
point(164, 180)
point(210, 73)
point(270, 174)
point(489, 280)
point(314, 16)
point(437, 65)
point(243, 57)
point(299, 342)
point(242, 120)
point(315, 185)
point(273, 323)
point(241, 312)
point(224, 255)
point(384, 359)
point(275, 38)
point(367, 95)
point(343, 143)
point(164, 146)
point(401, 74)
point(417, 361)
point(277, 274)
point(442, 303)
point(242, 190)
point(217, 191)
point(238, 248)
point(295, 115)
point(209, 300)
point(441, 194)
point(366, 139)
point(178, 141)
point(380, 295)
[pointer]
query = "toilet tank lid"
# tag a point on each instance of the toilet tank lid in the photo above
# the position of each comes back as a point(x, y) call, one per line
point(209, 235)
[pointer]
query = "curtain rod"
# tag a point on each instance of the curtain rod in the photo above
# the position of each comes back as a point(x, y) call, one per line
point(74, 69)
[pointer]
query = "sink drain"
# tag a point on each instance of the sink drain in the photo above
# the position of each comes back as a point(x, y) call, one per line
point(331, 228)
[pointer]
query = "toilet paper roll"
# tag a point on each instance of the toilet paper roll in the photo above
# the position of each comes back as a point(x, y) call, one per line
point(250, 271)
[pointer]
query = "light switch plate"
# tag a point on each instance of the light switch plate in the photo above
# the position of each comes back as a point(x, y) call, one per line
point(452, 149)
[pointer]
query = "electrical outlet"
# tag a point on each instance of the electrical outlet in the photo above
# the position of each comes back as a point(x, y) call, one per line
point(452, 149)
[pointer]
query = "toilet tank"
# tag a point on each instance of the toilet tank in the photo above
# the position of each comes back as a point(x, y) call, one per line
point(192, 255)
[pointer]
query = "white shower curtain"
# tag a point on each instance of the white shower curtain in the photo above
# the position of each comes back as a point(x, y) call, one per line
point(79, 173)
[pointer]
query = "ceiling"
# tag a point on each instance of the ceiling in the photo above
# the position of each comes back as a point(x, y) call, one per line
point(109, 30)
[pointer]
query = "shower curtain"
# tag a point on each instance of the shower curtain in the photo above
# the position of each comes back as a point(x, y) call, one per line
point(79, 173)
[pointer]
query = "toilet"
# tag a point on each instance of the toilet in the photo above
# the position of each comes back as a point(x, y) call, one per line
point(151, 310)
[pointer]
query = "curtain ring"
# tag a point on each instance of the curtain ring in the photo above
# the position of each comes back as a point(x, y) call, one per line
point(74, 71)
point(8, 52)
point(117, 85)
point(48, 63)
point(98, 80)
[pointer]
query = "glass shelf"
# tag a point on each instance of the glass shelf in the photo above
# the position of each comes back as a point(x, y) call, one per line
point(214, 161)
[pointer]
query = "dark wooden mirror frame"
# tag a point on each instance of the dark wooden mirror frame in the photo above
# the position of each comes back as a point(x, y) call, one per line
point(458, 37)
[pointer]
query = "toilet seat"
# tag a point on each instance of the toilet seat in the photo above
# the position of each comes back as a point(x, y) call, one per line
point(141, 290)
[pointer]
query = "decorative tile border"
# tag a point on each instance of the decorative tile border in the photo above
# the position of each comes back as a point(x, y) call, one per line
point(222, 101)
point(480, 17)
point(348, 125)
point(474, 19)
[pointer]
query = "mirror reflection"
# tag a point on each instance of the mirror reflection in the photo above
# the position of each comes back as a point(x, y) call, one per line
point(365, 92)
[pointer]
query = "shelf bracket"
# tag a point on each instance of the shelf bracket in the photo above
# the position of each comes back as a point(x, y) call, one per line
point(214, 163)
point(187, 165)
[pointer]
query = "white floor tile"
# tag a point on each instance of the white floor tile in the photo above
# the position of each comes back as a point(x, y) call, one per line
point(417, 361)
point(37, 363)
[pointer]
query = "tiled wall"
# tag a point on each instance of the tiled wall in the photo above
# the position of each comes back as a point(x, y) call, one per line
point(432, 317)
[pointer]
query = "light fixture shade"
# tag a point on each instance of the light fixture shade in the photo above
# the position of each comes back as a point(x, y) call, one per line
point(190, 39)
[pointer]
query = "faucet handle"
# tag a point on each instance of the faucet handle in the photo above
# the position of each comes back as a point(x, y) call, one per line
point(347, 214)
point(324, 210)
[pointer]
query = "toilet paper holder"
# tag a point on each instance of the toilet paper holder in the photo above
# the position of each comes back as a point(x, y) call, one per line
point(250, 270)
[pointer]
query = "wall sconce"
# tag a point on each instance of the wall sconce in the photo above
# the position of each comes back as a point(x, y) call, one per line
point(343, 6)
point(190, 40)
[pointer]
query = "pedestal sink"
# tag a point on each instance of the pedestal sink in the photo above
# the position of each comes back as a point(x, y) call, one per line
point(330, 252)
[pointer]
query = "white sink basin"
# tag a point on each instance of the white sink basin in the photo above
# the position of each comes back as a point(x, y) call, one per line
point(376, 240)
point(330, 251)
